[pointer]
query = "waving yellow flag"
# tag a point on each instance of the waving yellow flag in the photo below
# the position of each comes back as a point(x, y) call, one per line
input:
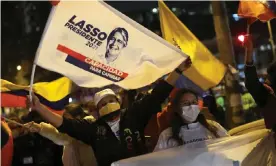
point(206, 71)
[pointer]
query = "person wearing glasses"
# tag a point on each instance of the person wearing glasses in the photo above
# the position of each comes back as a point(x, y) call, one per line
point(188, 125)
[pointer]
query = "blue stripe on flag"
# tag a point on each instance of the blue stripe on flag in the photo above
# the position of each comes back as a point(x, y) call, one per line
point(92, 69)
point(184, 82)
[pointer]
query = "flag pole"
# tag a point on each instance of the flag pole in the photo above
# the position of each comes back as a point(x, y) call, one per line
point(36, 56)
point(248, 27)
point(31, 83)
point(271, 39)
point(12, 121)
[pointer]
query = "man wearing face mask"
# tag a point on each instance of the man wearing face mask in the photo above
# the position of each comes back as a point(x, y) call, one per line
point(262, 96)
point(118, 133)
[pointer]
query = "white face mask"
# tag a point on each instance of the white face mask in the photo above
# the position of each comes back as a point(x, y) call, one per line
point(190, 113)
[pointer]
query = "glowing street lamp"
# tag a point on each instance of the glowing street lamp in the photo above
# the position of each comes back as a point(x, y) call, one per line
point(241, 38)
point(154, 10)
point(18, 67)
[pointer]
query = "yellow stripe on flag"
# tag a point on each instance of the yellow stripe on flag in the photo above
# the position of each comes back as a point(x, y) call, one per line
point(52, 91)
point(8, 86)
point(206, 71)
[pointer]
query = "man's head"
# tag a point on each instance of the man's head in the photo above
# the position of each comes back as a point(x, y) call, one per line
point(92, 109)
point(116, 41)
point(74, 111)
point(106, 102)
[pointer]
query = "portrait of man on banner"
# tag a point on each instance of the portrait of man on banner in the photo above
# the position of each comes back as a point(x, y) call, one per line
point(119, 55)
point(116, 41)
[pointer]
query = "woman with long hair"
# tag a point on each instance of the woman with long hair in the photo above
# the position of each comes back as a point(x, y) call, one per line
point(188, 125)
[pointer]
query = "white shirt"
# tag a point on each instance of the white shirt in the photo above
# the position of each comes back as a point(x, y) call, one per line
point(190, 134)
point(115, 126)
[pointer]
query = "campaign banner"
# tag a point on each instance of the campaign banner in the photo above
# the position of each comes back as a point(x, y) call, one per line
point(252, 149)
point(95, 45)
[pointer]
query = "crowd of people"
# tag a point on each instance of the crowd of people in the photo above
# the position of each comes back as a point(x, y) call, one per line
point(134, 124)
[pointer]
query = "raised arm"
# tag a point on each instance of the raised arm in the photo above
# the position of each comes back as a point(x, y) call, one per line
point(53, 118)
point(151, 104)
point(173, 77)
point(73, 127)
point(50, 132)
point(252, 83)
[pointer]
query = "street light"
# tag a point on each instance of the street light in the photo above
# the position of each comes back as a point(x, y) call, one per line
point(18, 67)
point(241, 38)
point(154, 10)
point(262, 48)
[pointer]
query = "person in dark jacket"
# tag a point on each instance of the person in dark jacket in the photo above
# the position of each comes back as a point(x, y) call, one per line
point(262, 96)
point(127, 97)
point(34, 150)
point(118, 133)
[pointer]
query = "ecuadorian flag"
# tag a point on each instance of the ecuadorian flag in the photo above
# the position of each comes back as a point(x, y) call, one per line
point(54, 95)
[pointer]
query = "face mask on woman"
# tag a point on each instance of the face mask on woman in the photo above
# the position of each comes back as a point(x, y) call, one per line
point(190, 113)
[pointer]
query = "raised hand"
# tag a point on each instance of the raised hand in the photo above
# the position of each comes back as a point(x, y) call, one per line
point(185, 64)
point(33, 127)
point(33, 102)
point(248, 44)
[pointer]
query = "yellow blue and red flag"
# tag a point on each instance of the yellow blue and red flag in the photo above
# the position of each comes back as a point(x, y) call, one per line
point(54, 95)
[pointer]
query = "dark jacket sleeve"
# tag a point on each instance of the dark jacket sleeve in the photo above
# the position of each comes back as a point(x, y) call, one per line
point(254, 86)
point(83, 130)
point(151, 104)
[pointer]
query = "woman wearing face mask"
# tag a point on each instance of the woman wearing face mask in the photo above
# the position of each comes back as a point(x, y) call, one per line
point(188, 125)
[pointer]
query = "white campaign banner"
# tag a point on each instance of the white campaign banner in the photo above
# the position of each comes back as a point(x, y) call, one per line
point(251, 149)
point(95, 45)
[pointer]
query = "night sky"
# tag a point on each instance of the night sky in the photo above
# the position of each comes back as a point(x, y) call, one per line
point(21, 34)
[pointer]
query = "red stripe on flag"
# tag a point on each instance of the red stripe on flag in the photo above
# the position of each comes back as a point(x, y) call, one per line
point(55, 2)
point(9, 100)
point(71, 53)
point(83, 58)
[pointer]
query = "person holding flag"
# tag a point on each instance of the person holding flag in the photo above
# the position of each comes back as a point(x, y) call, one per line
point(264, 97)
point(118, 133)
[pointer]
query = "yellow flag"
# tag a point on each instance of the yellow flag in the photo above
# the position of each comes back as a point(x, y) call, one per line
point(206, 71)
